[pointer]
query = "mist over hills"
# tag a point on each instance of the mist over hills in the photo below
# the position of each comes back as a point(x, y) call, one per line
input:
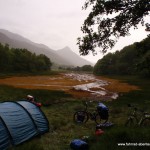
point(67, 54)
point(63, 56)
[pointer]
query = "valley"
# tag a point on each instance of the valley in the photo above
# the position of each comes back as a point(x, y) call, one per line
point(77, 84)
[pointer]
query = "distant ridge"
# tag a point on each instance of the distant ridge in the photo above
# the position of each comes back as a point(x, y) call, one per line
point(64, 56)
point(67, 54)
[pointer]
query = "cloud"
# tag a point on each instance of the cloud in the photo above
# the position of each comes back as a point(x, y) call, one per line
point(55, 23)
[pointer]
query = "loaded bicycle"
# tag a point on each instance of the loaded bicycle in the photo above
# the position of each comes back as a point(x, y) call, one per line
point(137, 117)
point(99, 115)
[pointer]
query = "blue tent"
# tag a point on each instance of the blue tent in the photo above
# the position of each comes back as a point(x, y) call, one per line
point(20, 121)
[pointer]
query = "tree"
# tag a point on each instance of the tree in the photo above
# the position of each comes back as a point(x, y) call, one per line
point(22, 60)
point(105, 65)
point(109, 20)
point(87, 68)
point(43, 62)
point(131, 60)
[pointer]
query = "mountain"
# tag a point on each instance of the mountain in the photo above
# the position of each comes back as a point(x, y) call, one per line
point(17, 41)
point(74, 59)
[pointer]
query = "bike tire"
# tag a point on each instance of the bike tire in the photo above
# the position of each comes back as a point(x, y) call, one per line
point(145, 122)
point(80, 117)
point(99, 120)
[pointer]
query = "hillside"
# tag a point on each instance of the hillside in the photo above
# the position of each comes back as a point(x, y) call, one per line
point(18, 41)
point(74, 59)
point(131, 60)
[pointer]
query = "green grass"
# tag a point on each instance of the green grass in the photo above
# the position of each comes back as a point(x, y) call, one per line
point(111, 138)
point(8, 93)
point(5, 75)
point(61, 107)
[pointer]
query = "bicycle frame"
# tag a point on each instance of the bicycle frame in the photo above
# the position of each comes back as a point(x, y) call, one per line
point(144, 117)
point(133, 116)
point(92, 115)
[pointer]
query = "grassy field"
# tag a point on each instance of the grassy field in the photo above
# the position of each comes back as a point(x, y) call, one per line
point(63, 130)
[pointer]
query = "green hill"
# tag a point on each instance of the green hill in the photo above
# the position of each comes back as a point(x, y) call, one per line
point(131, 60)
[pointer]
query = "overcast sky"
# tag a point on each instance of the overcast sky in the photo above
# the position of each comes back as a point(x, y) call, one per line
point(55, 23)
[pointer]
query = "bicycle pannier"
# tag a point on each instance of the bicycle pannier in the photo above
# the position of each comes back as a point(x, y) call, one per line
point(80, 116)
point(78, 144)
point(103, 110)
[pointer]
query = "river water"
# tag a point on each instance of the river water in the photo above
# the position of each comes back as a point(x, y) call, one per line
point(93, 85)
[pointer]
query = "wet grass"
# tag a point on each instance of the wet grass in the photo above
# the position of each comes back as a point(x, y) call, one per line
point(19, 74)
point(8, 93)
point(61, 107)
point(122, 135)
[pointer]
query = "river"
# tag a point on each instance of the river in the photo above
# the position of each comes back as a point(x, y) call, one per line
point(77, 84)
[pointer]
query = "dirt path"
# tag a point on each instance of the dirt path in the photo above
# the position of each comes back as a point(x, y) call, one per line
point(79, 85)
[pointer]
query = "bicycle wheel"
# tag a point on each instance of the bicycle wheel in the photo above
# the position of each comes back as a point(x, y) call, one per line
point(80, 117)
point(131, 122)
point(99, 120)
point(145, 122)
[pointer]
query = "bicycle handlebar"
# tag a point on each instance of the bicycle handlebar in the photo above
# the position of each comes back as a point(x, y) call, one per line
point(136, 109)
point(85, 103)
point(129, 105)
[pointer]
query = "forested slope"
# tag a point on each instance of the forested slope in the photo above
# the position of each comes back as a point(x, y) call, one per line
point(131, 60)
point(21, 60)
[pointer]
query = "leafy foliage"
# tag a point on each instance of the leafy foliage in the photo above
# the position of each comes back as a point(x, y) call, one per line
point(21, 60)
point(133, 59)
point(109, 20)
